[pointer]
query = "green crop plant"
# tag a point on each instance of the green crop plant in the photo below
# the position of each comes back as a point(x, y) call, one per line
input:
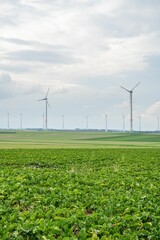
point(106, 194)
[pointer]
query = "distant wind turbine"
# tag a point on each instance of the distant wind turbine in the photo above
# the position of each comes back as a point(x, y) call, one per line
point(43, 121)
point(158, 123)
point(86, 122)
point(46, 106)
point(21, 121)
point(62, 122)
point(8, 120)
point(131, 107)
point(140, 123)
point(106, 129)
point(123, 123)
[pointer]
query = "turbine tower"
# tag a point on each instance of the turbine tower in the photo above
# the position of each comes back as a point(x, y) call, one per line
point(123, 123)
point(8, 120)
point(21, 121)
point(140, 123)
point(158, 123)
point(86, 122)
point(43, 121)
point(106, 127)
point(46, 109)
point(131, 107)
point(62, 122)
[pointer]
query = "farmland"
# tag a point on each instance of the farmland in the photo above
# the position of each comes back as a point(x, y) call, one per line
point(80, 194)
point(68, 185)
point(27, 139)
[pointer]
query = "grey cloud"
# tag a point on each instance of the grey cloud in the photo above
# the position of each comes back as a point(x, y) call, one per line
point(140, 16)
point(67, 3)
point(10, 1)
point(128, 22)
point(18, 41)
point(10, 88)
point(43, 56)
point(10, 19)
point(14, 68)
point(16, 8)
point(5, 79)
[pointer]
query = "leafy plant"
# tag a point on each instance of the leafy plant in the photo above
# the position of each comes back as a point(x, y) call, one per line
point(80, 194)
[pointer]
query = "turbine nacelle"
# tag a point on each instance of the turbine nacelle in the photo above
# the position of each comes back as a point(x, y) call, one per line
point(130, 91)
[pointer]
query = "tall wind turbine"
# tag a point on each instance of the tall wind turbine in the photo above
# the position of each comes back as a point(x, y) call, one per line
point(46, 110)
point(131, 107)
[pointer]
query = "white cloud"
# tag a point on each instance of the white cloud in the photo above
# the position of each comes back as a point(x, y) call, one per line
point(122, 105)
point(82, 50)
point(73, 27)
point(153, 110)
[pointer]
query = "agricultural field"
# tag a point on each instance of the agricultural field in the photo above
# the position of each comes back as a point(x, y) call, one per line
point(58, 139)
point(78, 193)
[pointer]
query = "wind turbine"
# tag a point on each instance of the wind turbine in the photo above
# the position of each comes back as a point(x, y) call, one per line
point(43, 121)
point(106, 128)
point(123, 123)
point(86, 122)
point(8, 120)
point(140, 123)
point(158, 123)
point(46, 106)
point(131, 107)
point(62, 122)
point(21, 121)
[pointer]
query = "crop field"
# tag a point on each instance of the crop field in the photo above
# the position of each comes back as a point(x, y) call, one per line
point(58, 139)
point(73, 194)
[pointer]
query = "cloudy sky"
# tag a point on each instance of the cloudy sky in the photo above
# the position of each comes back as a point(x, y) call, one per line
point(83, 51)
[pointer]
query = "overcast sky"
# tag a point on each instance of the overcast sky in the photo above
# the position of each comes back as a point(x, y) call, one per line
point(83, 51)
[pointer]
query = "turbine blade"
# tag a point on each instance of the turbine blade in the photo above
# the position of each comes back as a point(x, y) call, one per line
point(41, 99)
point(47, 93)
point(135, 86)
point(125, 89)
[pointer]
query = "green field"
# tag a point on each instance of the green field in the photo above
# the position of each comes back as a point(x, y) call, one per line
point(26, 139)
point(79, 185)
point(111, 194)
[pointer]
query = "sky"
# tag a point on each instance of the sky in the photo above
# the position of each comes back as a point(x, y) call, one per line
point(82, 51)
